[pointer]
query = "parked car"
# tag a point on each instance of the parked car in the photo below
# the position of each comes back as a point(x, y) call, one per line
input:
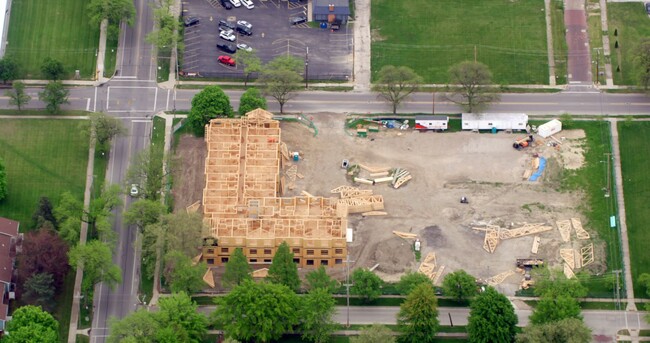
point(227, 60)
point(248, 4)
point(228, 35)
point(191, 21)
point(134, 190)
point(225, 26)
point(229, 48)
point(235, 3)
point(297, 20)
point(226, 4)
point(245, 24)
point(243, 46)
point(647, 7)
point(244, 30)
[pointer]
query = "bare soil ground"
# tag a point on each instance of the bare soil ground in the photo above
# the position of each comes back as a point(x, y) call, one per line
point(445, 166)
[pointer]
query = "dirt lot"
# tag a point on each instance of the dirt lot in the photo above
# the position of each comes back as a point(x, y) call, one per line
point(445, 166)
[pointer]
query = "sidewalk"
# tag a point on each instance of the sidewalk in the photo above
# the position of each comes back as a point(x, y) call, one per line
point(549, 43)
point(361, 52)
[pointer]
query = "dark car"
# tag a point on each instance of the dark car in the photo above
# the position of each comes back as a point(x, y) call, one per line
point(227, 60)
point(647, 7)
point(244, 30)
point(229, 48)
point(297, 20)
point(226, 4)
point(225, 26)
point(190, 21)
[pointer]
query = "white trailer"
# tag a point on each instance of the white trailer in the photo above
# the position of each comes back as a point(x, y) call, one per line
point(431, 122)
point(548, 129)
point(494, 121)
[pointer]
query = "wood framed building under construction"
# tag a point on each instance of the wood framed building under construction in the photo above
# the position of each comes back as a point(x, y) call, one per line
point(242, 201)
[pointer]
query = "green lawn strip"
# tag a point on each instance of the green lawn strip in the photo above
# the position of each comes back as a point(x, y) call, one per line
point(43, 158)
point(596, 42)
point(587, 305)
point(31, 112)
point(631, 22)
point(58, 29)
point(636, 184)
point(83, 339)
point(560, 50)
point(429, 37)
point(64, 305)
point(110, 58)
point(644, 333)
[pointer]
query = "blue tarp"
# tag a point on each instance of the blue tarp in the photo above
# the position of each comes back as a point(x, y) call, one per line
point(540, 170)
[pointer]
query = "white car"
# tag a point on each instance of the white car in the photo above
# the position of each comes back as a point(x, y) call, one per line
point(235, 3)
point(228, 35)
point(248, 4)
point(243, 46)
point(134, 190)
point(245, 24)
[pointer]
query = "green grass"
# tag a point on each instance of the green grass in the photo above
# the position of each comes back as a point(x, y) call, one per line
point(34, 112)
point(43, 158)
point(559, 41)
point(58, 29)
point(632, 23)
point(110, 59)
point(83, 339)
point(636, 185)
point(64, 305)
point(430, 36)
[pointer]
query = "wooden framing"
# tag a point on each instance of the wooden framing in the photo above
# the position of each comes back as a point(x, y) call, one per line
point(491, 240)
point(535, 248)
point(568, 272)
point(581, 233)
point(526, 229)
point(499, 278)
point(428, 266)
point(587, 254)
point(569, 257)
point(243, 209)
point(564, 226)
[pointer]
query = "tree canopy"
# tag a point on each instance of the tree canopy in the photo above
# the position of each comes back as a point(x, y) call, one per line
point(552, 283)
point(31, 324)
point(281, 78)
point(237, 270)
point(553, 309)
point(469, 81)
point(9, 69)
point(375, 333)
point(144, 212)
point(396, 84)
point(259, 312)
point(568, 330)
point(460, 285)
point(44, 213)
point(418, 316)
point(316, 313)
point(283, 270)
point(17, 95)
point(39, 290)
point(208, 104)
point(410, 280)
point(114, 11)
point(491, 318)
point(96, 258)
point(366, 284)
point(318, 278)
point(52, 69)
point(251, 62)
point(105, 129)
point(251, 99)
point(642, 62)
point(54, 95)
point(181, 275)
point(146, 171)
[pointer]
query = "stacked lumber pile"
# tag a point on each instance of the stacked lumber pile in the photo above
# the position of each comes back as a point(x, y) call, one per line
point(400, 177)
point(377, 175)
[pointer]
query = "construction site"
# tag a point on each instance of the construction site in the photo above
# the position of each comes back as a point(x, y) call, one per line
point(329, 193)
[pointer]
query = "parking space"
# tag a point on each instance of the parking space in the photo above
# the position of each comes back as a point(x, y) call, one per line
point(329, 53)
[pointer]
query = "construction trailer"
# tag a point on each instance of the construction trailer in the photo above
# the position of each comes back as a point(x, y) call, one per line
point(242, 202)
point(431, 122)
point(494, 121)
point(550, 128)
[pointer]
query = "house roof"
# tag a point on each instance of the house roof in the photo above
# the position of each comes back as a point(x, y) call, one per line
point(8, 233)
point(341, 7)
point(431, 117)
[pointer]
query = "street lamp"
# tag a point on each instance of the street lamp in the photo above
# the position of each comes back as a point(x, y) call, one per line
point(307, 69)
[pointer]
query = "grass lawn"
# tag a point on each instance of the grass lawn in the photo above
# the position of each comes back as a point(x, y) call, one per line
point(64, 305)
point(632, 24)
point(110, 59)
point(59, 29)
point(430, 36)
point(43, 158)
point(560, 49)
point(636, 184)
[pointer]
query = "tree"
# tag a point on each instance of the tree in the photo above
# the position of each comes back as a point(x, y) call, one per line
point(569, 330)
point(281, 78)
point(144, 212)
point(459, 285)
point(3, 180)
point(44, 213)
point(181, 275)
point(31, 324)
point(469, 80)
point(69, 215)
point(250, 100)
point(43, 252)
point(642, 62)
point(319, 279)
point(146, 171)
point(283, 270)
point(491, 318)
point(208, 104)
point(396, 84)
point(316, 314)
point(8, 69)
point(418, 316)
point(553, 283)
point(115, 11)
point(237, 270)
point(166, 32)
point(140, 326)
point(644, 281)
point(104, 128)
point(54, 95)
point(251, 62)
point(95, 257)
point(552, 309)
point(259, 312)
point(52, 69)
point(366, 284)
point(17, 96)
point(180, 313)
point(39, 290)
point(376, 333)
point(410, 280)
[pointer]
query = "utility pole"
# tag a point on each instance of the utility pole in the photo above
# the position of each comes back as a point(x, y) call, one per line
point(347, 287)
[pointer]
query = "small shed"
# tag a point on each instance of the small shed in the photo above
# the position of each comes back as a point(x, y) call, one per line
point(494, 121)
point(431, 122)
point(548, 129)
point(331, 11)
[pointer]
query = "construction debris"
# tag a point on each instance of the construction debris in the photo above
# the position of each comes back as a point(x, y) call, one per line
point(208, 278)
point(307, 194)
point(362, 180)
point(580, 232)
point(382, 174)
point(587, 254)
point(428, 265)
point(568, 255)
point(497, 279)
point(405, 235)
point(284, 151)
point(400, 177)
point(564, 226)
point(374, 213)
point(291, 172)
point(494, 233)
point(373, 170)
point(194, 207)
point(568, 272)
point(491, 240)
point(362, 204)
point(436, 279)
point(261, 273)
point(536, 241)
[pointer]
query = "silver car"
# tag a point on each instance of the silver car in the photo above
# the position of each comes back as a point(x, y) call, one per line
point(228, 35)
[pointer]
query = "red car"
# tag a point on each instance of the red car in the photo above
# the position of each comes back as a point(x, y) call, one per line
point(227, 60)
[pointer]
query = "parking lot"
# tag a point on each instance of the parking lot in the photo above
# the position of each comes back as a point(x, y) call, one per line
point(329, 53)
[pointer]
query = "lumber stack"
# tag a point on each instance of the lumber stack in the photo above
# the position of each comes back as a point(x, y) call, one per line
point(428, 266)
point(355, 200)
